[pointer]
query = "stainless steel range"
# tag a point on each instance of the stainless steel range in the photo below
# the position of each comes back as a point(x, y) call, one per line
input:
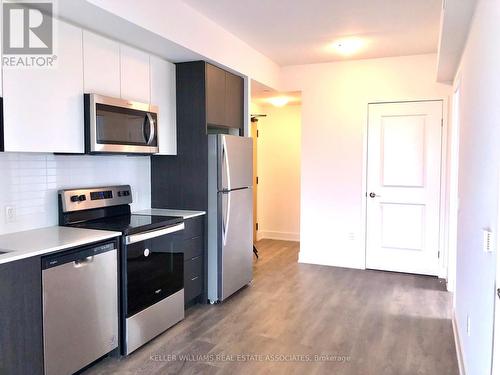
point(150, 258)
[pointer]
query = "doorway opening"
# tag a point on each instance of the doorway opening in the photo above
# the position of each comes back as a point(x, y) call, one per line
point(276, 130)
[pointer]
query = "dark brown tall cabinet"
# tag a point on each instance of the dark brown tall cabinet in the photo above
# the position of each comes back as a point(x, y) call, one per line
point(207, 97)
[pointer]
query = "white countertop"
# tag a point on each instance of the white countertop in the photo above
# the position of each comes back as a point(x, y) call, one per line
point(185, 214)
point(20, 245)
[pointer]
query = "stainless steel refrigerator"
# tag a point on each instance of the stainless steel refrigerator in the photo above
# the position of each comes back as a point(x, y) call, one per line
point(230, 215)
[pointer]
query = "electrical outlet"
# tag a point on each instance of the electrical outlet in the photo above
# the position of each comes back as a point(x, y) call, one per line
point(468, 325)
point(487, 241)
point(10, 214)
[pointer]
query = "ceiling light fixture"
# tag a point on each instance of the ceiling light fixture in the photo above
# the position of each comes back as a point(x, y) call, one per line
point(279, 101)
point(348, 46)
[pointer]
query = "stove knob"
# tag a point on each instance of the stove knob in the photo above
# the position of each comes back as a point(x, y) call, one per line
point(82, 198)
point(74, 198)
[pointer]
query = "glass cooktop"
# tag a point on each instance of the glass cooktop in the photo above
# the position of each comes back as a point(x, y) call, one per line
point(130, 224)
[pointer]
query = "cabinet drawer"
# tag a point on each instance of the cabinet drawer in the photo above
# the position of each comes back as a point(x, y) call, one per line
point(193, 278)
point(193, 227)
point(193, 268)
point(193, 247)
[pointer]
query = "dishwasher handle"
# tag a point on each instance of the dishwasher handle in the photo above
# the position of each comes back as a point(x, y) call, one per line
point(83, 262)
point(79, 258)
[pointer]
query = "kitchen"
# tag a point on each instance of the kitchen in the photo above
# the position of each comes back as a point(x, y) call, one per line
point(99, 235)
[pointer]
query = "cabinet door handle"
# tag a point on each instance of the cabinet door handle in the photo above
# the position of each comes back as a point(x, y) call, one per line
point(196, 257)
point(194, 278)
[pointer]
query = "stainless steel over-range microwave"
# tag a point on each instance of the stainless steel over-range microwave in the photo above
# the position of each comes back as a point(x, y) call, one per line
point(119, 126)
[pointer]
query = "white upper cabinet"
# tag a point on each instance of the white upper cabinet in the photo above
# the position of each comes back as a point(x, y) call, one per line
point(101, 65)
point(134, 73)
point(163, 96)
point(43, 107)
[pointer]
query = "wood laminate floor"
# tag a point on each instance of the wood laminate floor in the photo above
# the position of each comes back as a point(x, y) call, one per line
point(308, 319)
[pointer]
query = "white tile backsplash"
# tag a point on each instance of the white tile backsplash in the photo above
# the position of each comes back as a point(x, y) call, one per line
point(29, 183)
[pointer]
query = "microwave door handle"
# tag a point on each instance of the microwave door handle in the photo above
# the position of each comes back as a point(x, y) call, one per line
point(152, 131)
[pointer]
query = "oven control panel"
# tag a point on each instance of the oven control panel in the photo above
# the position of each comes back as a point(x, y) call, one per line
point(84, 199)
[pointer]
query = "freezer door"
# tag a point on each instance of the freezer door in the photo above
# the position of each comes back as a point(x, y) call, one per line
point(236, 241)
point(235, 162)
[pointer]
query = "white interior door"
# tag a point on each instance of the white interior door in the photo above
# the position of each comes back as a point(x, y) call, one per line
point(403, 186)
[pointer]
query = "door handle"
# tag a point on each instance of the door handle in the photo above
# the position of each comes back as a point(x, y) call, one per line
point(225, 166)
point(225, 222)
point(373, 195)
point(82, 262)
point(498, 292)
point(153, 234)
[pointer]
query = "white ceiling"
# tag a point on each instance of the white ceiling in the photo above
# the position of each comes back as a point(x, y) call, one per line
point(298, 31)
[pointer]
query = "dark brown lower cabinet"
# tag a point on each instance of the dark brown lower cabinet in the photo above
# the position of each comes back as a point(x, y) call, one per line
point(194, 260)
point(21, 337)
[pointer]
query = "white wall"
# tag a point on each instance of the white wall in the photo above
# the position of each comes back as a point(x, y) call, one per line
point(334, 116)
point(478, 184)
point(29, 182)
point(181, 24)
point(278, 159)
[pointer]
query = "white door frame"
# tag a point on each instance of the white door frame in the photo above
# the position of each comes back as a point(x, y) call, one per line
point(443, 265)
point(453, 200)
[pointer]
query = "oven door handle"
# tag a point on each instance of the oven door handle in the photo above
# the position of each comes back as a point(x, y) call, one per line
point(153, 234)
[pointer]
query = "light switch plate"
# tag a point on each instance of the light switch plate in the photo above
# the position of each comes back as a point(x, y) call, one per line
point(488, 241)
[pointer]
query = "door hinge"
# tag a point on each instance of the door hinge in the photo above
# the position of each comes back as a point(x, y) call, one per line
point(439, 254)
point(257, 133)
point(442, 122)
point(256, 226)
point(257, 180)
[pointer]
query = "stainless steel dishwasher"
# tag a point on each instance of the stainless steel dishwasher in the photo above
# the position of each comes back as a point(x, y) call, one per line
point(80, 307)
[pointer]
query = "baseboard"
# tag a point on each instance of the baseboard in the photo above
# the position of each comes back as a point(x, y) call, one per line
point(458, 344)
point(325, 261)
point(273, 235)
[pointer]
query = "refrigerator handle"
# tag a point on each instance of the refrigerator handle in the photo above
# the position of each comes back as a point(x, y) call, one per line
point(225, 222)
point(225, 162)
